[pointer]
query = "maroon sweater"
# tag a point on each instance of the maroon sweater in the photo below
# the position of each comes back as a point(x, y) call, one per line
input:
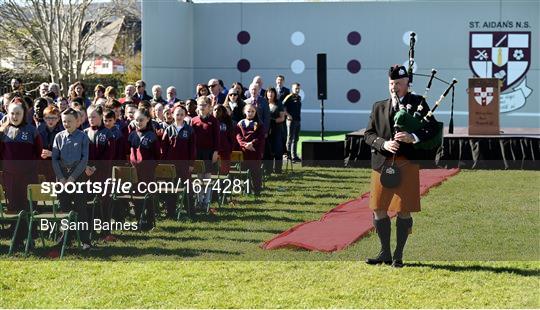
point(226, 140)
point(101, 151)
point(145, 152)
point(250, 131)
point(179, 145)
point(207, 132)
point(18, 144)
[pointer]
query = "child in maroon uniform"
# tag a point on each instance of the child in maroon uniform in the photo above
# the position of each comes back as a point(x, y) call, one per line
point(115, 106)
point(226, 137)
point(20, 150)
point(121, 152)
point(250, 136)
point(48, 130)
point(144, 154)
point(206, 129)
point(129, 116)
point(178, 147)
point(121, 147)
point(100, 155)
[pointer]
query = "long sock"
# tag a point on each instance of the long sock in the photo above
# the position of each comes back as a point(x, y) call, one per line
point(383, 228)
point(403, 225)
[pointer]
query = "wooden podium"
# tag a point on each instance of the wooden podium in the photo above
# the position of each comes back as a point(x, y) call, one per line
point(484, 106)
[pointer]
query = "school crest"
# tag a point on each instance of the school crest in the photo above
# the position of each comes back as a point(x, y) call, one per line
point(483, 95)
point(505, 55)
point(24, 136)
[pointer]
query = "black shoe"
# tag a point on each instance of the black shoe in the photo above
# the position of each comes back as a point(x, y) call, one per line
point(377, 261)
point(397, 264)
point(383, 229)
point(297, 160)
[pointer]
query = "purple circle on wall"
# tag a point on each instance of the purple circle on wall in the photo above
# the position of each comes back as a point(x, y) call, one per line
point(353, 95)
point(243, 37)
point(354, 38)
point(243, 65)
point(353, 66)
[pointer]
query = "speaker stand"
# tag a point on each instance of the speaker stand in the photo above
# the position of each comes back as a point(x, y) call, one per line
point(322, 119)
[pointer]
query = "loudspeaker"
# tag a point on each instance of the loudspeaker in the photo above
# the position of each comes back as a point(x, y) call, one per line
point(321, 76)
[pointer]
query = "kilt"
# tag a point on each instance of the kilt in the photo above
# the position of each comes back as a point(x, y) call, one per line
point(403, 198)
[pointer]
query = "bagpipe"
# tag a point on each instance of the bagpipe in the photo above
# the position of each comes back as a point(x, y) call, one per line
point(410, 121)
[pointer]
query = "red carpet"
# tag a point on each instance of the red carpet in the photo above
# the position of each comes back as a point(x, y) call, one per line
point(346, 223)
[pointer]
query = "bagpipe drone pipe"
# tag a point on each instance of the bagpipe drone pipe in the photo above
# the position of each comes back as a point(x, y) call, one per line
point(410, 121)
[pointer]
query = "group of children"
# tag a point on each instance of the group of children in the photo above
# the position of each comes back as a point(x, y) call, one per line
point(83, 143)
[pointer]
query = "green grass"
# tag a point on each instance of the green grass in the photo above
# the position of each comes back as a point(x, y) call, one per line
point(475, 244)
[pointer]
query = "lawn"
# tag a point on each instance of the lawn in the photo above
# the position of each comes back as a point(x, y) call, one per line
point(475, 244)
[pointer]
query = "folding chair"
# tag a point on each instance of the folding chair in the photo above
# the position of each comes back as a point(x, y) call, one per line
point(198, 168)
point(94, 201)
point(236, 172)
point(167, 173)
point(128, 174)
point(10, 219)
point(40, 200)
point(287, 162)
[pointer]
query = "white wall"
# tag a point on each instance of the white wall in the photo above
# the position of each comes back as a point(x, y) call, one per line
point(184, 44)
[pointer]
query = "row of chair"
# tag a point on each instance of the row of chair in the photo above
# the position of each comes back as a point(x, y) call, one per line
point(45, 206)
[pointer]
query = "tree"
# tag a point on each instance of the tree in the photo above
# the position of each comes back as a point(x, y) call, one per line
point(57, 34)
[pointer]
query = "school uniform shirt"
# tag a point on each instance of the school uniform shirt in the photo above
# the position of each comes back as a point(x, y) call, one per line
point(179, 143)
point(251, 131)
point(179, 148)
point(20, 143)
point(70, 154)
point(156, 127)
point(100, 151)
point(226, 140)
point(144, 152)
point(263, 111)
point(207, 132)
point(47, 135)
point(122, 125)
point(121, 146)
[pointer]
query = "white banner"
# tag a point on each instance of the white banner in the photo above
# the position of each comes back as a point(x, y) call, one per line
point(516, 99)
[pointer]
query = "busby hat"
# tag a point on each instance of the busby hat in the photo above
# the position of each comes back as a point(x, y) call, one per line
point(397, 72)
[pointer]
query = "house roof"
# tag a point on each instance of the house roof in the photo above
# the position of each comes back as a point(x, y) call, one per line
point(103, 41)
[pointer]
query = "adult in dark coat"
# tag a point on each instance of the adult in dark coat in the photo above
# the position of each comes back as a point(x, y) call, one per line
point(386, 145)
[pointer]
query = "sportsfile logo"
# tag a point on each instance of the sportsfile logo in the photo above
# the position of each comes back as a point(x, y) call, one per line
point(117, 187)
point(110, 186)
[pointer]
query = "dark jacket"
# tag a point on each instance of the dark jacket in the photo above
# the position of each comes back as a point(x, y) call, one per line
point(380, 129)
point(283, 92)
